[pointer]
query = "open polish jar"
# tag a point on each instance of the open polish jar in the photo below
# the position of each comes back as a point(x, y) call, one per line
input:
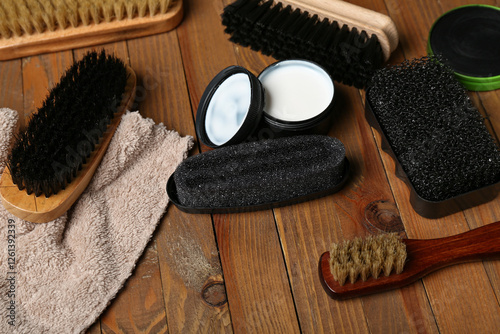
point(290, 97)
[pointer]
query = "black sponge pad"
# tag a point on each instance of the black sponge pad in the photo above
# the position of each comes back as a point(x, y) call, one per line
point(436, 133)
point(264, 173)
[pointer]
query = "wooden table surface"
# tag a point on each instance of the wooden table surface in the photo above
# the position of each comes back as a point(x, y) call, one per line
point(257, 272)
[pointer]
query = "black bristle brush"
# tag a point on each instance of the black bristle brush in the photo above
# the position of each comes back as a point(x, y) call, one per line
point(439, 139)
point(349, 41)
point(66, 138)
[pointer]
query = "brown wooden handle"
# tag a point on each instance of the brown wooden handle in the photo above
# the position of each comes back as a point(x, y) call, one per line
point(424, 257)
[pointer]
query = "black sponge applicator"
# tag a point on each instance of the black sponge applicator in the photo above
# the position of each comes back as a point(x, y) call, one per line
point(435, 133)
point(259, 175)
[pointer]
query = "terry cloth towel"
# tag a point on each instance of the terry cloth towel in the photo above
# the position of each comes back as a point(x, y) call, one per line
point(58, 277)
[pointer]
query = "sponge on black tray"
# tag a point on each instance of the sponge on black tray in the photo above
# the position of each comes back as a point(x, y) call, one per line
point(259, 175)
point(433, 129)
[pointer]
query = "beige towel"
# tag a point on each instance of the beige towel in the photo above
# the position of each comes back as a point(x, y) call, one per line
point(67, 271)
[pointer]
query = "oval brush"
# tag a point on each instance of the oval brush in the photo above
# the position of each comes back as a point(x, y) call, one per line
point(30, 27)
point(393, 262)
point(53, 161)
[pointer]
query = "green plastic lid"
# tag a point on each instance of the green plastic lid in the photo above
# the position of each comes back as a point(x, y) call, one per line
point(468, 37)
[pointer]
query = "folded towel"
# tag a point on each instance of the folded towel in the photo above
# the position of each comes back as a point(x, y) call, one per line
point(66, 271)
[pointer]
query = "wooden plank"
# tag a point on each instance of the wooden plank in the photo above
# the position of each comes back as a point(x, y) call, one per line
point(343, 216)
point(139, 307)
point(260, 304)
point(191, 272)
point(11, 94)
point(147, 311)
point(462, 297)
point(255, 274)
point(94, 329)
point(307, 230)
point(41, 73)
point(187, 251)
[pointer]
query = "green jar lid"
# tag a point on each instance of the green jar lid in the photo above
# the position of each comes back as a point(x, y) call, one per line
point(468, 37)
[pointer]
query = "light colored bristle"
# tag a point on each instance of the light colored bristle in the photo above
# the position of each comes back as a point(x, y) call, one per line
point(60, 13)
point(26, 17)
point(373, 256)
point(153, 7)
point(119, 8)
point(107, 11)
point(48, 20)
point(130, 8)
point(72, 12)
point(142, 7)
point(25, 14)
point(38, 19)
point(84, 12)
point(9, 9)
point(164, 5)
point(95, 12)
point(5, 32)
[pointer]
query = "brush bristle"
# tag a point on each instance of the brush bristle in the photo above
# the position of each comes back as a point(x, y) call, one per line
point(37, 16)
point(362, 258)
point(348, 55)
point(434, 130)
point(65, 130)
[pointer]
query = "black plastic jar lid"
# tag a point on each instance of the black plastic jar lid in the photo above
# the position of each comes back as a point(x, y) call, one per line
point(230, 108)
point(468, 38)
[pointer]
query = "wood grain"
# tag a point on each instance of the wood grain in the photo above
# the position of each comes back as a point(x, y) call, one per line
point(139, 307)
point(187, 251)
point(189, 263)
point(303, 240)
point(249, 257)
point(361, 18)
point(259, 304)
point(11, 83)
point(460, 290)
point(341, 216)
point(257, 272)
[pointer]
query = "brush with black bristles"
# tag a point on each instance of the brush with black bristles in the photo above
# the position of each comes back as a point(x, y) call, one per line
point(385, 262)
point(349, 41)
point(53, 160)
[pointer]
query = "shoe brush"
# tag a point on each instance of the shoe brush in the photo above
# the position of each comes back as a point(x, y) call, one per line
point(360, 267)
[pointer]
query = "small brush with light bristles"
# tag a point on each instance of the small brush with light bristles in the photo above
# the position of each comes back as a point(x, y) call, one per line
point(385, 262)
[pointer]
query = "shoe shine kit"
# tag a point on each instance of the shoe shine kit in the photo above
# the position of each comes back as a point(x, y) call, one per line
point(269, 132)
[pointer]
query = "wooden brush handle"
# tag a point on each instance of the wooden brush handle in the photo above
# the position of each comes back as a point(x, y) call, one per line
point(424, 257)
point(374, 23)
